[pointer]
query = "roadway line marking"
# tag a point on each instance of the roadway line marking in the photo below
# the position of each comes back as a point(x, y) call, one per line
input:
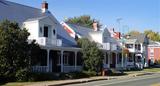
point(134, 79)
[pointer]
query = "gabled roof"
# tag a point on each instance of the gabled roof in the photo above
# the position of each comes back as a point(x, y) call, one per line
point(36, 18)
point(21, 13)
point(140, 38)
point(82, 31)
point(85, 32)
point(131, 41)
point(154, 42)
point(17, 12)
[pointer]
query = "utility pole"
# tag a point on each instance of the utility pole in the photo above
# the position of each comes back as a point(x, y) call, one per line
point(122, 40)
point(119, 23)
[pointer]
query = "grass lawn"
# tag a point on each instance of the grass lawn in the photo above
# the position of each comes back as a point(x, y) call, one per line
point(152, 70)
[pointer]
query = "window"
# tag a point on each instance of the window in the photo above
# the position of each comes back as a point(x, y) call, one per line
point(106, 58)
point(54, 32)
point(139, 47)
point(79, 58)
point(129, 45)
point(151, 52)
point(40, 29)
point(45, 31)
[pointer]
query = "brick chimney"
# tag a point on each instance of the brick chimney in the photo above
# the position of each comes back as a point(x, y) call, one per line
point(117, 35)
point(44, 7)
point(95, 26)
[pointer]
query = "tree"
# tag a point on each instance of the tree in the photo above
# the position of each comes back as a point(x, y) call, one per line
point(134, 33)
point(152, 35)
point(15, 52)
point(92, 55)
point(84, 20)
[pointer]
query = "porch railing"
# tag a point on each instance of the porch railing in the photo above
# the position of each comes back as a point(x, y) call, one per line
point(39, 68)
point(49, 42)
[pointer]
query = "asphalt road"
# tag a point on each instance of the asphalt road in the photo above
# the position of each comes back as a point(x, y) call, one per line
point(146, 80)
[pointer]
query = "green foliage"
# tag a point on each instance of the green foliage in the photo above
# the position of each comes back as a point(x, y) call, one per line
point(37, 76)
point(92, 55)
point(155, 36)
point(84, 20)
point(77, 75)
point(15, 52)
point(152, 35)
point(22, 75)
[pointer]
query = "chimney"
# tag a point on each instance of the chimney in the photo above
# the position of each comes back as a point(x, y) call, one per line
point(44, 7)
point(95, 25)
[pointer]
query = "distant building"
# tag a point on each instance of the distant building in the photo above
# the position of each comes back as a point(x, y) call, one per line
point(153, 52)
point(137, 46)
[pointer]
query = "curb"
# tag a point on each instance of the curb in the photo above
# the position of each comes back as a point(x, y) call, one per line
point(81, 81)
point(93, 79)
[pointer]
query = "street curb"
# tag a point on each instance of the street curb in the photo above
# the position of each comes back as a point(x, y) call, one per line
point(90, 80)
point(82, 81)
point(85, 80)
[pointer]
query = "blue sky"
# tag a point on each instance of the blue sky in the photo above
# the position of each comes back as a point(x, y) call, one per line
point(136, 14)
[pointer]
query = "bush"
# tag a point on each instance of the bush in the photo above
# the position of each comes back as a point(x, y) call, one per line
point(77, 75)
point(22, 75)
point(42, 76)
point(157, 61)
point(73, 75)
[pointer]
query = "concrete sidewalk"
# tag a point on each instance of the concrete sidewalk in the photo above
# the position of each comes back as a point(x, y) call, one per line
point(84, 80)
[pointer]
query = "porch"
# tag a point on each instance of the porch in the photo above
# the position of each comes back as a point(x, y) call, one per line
point(59, 60)
point(113, 60)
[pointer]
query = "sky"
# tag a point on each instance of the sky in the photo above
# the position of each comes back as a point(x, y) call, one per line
point(137, 15)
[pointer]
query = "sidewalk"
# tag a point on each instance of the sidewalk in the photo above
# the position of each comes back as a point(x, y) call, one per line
point(74, 81)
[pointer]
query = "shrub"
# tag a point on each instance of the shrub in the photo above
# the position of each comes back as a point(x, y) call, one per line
point(77, 75)
point(42, 76)
point(22, 75)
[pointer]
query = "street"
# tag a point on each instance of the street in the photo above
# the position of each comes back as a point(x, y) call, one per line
point(147, 80)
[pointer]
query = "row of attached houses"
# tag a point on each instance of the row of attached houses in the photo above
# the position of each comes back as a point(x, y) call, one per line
point(109, 45)
point(112, 42)
point(59, 50)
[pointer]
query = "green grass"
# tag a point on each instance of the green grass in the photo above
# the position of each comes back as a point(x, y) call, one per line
point(152, 70)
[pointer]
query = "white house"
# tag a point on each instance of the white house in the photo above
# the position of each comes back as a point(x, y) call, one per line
point(59, 51)
point(137, 46)
point(109, 45)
